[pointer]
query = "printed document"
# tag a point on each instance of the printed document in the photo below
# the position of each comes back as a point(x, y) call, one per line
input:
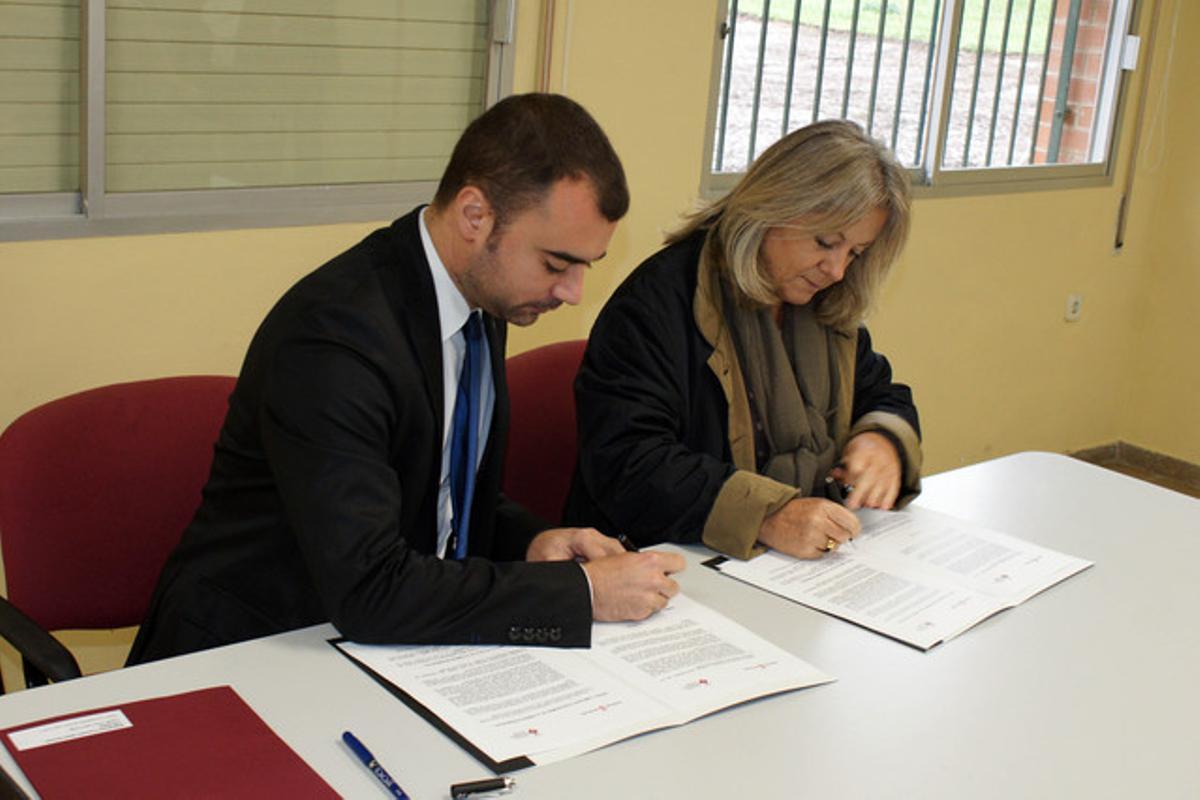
point(545, 704)
point(916, 575)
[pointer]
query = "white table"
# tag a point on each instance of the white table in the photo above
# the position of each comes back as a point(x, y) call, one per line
point(1091, 689)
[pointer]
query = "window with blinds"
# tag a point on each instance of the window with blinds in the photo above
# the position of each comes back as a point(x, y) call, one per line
point(254, 93)
point(135, 116)
point(39, 96)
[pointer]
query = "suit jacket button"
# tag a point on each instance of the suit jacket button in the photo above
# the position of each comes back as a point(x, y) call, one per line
point(555, 634)
point(514, 634)
point(527, 634)
point(541, 635)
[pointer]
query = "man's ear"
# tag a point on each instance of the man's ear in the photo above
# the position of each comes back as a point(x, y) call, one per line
point(473, 214)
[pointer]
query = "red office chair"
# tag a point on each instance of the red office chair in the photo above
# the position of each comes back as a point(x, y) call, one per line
point(541, 436)
point(95, 490)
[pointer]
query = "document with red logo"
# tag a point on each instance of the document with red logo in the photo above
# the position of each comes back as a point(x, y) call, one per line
point(515, 706)
point(915, 575)
point(206, 743)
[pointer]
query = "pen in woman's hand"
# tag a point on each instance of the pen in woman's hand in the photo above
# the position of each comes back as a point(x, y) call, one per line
point(835, 490)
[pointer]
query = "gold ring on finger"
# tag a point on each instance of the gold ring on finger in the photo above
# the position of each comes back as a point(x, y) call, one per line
point(831, 544)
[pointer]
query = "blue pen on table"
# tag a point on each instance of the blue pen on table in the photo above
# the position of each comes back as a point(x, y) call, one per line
point(364, 755)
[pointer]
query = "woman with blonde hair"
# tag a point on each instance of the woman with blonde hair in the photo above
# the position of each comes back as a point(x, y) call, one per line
point(729, 393)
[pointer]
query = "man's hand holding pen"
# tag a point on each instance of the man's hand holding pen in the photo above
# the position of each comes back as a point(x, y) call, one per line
point(632, 585)
point(626, 584)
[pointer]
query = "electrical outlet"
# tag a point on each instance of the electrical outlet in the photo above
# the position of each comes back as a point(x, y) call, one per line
point(1074, 307)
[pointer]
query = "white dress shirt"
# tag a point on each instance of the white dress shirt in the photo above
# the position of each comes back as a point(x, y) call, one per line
point(453, 311)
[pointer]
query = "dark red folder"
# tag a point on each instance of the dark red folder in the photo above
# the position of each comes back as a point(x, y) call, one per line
point(207, 743)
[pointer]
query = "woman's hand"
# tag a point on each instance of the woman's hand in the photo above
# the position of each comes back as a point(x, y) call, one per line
point(808, 527)
point(871, 465)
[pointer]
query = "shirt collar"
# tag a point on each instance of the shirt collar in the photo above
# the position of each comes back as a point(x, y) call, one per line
point(453, 308)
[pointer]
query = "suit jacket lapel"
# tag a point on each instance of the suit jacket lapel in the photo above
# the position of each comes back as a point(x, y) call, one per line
point(409, 285)
point(496, 337)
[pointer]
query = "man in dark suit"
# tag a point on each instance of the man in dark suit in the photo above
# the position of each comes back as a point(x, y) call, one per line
point(333, 488)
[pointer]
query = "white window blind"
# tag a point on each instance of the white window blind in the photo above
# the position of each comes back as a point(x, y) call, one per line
point(39, 96)
point(205, 94)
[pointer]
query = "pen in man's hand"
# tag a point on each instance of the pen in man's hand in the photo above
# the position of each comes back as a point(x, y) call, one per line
point(459, 791)
point(364, 755)
point(627, 543)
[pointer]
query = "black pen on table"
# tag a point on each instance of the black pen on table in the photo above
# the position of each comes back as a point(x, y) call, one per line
point(364, 755)
point(459, 791)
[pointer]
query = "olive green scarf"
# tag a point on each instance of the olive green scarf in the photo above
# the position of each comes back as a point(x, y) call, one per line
point(788, 370)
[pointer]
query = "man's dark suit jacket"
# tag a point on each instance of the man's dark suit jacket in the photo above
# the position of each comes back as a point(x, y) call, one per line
point(322, 501)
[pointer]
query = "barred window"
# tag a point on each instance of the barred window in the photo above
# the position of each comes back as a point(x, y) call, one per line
point(959, 89)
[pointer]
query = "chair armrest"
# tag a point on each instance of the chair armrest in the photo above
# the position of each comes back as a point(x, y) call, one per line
point(35, 645)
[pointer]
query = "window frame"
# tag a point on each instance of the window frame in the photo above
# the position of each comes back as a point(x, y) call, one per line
point(92, 211)
point(929, 179)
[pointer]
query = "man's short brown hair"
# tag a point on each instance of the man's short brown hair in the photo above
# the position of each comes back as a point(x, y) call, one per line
point(520, 147)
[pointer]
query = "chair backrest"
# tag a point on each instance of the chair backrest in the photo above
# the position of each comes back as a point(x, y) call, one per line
point(95, 490)
point(541, 436)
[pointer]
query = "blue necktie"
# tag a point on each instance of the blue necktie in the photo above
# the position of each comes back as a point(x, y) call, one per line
point(464, 437)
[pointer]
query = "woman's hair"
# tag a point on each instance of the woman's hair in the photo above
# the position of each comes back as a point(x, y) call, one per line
point(823, 178)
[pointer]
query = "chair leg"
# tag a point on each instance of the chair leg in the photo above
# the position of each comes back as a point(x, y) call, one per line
point(33, 676)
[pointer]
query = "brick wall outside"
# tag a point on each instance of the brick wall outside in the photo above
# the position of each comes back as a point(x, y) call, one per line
point(1083, 94)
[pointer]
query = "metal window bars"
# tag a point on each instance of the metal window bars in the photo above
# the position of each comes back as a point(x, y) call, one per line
point(873, 61)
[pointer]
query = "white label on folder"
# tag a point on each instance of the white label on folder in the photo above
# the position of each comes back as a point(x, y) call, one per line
point(68, 729)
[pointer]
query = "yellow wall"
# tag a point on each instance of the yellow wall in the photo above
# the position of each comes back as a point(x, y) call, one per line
point(1166, 413)
point(973, 316)
point(83, 312)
